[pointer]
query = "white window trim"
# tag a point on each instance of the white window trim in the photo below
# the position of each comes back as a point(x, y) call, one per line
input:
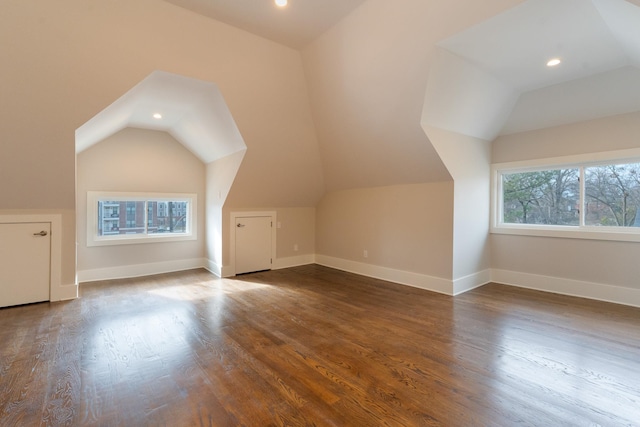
point(93, 239)
point(626, 234)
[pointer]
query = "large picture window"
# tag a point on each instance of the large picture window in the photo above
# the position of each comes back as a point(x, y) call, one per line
point(597, 199)
point(120, 218)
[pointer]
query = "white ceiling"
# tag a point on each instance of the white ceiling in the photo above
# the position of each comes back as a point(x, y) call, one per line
point(592, 37)
point(193, 112)
point(516, 45)
point(295, 25)
point(598, 42)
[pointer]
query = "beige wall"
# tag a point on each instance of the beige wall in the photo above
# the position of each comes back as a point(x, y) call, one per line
point(65, 61)
point(404, 227)
point(297, 226)
point(220, 176)
point(367, 77)
point(468, 160)
point(606, 134)
point(597, 261)
point(137, 160)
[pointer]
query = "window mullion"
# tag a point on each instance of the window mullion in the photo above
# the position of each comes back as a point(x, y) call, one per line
point(582, 197)
point(146, 219)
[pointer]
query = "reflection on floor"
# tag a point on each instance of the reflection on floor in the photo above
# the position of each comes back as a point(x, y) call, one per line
point(311, 345)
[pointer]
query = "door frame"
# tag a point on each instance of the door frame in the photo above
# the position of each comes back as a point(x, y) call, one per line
point(55, 252)
point(232, 234)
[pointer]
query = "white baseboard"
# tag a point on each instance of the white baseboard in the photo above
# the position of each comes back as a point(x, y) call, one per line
point(294, 261)
point(472, 281)
point(64, 292)
point(576, 288)
point(416, 280)
point(126, 271)
point(227, 271)
point(213, 267)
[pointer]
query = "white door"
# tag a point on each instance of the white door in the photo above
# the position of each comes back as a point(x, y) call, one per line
point(253, 244)
point(25, 253)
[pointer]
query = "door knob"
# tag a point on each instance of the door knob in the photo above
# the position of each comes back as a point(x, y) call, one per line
point(42, 233)
point(240, 225)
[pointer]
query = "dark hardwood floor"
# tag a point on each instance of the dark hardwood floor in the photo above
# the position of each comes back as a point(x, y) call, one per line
point(315, 346)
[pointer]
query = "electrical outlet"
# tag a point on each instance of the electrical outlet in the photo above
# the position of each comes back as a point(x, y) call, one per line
point(295, 247)
point(365, 253)
point(278, 224)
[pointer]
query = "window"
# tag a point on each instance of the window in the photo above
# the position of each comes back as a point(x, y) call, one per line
point(541, 197)
point(612, 195)
point(121, 218)
point(584, 197)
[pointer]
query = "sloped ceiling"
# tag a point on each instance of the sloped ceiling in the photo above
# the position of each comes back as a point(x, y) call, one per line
point(363, 79)
point(592, 37)
point(295, 25)
point(597, 40)
point(193, 112)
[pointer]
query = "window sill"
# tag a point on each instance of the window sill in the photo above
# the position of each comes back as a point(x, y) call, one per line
point(137, 239)
point(591, 233)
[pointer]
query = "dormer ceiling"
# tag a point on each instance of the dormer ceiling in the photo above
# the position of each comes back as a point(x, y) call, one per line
point(192, 111)
point(598, 42)
point(515, 45)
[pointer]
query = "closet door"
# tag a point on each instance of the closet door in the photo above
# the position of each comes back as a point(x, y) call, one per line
point(25, 254)
point(253, 244)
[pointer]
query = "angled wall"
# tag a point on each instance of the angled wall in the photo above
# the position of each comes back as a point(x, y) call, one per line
point(147, 161)
point(66, 61)
point(367, 78)
point(464, 109)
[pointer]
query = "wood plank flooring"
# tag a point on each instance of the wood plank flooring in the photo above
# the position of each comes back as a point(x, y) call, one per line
point(315, 346)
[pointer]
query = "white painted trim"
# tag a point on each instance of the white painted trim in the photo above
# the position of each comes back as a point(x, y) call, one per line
point(416, 280)
point(57, 292)
point(472, 281)
point(576, 288)
point(622, 234)
point(213, 268)
point(232, 236)
point(66, 292)
point(137, 270)
point(294, 261)
point(93, 239)
point(227, 271)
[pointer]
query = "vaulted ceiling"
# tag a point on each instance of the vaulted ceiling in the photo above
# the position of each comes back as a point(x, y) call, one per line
point(295, 25)
point(598, 41)
point(192, 111)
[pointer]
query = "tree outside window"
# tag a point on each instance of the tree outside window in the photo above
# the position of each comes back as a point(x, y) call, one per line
point(612, 195)
point(542, 197)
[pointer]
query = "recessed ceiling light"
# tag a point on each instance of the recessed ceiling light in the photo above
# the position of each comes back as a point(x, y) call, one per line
point(157, 116)
point(281, 3)
point(553, 62)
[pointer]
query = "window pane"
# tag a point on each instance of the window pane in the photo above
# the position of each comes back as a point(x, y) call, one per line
point(543, 197)
point(612, 195)
point(171, 217)
point(120, 217)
